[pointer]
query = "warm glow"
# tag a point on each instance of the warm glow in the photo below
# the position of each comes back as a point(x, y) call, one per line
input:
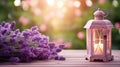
point(50, 2)
point(60, 4)
point(77, 4)
point(17, 3)
point(89, 3)
point(55, 24)
point(43, 28)
point(115, 3)
point(64, 10)
point(98, 48)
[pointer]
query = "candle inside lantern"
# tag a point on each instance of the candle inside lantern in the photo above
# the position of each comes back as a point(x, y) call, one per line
point(98, 48)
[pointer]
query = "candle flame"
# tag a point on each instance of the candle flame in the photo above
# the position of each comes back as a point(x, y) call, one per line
point(98, 48)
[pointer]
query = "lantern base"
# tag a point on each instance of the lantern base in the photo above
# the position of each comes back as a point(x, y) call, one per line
point(99, 58)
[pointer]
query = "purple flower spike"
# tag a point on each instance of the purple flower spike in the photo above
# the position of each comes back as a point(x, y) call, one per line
point(14, 59)
point(6, 25)
point(58, 50)
point(12, 25)
point(61, 46)
point(3, 23)
point(59, 58)
point(27, 45)
point(17, 31)
point(4, 31)
point(12, 40)
point(51, 44)
point(2, 46)
point(34, 28)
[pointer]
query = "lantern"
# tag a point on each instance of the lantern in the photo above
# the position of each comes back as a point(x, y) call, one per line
point(98, 33)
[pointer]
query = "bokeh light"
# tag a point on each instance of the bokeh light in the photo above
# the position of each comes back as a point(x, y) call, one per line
point(43, 28)
point(62, 20)
point(50, 2)
point(23, 20)
point(77, 4)
point(17, 2)
point(60, 3)
point(115, 3)
point(101, 1)
point(37, 11)
point(80, 35)
point(68, 45)
point(89, 3)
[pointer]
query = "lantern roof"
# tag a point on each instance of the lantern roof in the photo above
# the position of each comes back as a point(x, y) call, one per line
point(98, 24)
point(98, 21)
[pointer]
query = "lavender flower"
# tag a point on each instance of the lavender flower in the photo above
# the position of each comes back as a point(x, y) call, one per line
point(11, 48)
point(5, 53)
point(3, 32)
point(6, 25)
point(3, 23)
point(12, 40)
point(58, 50)
point(59, 58)
point(17, 31)
point(3, 46)
point(12, 25)
point(14, 59)
point(34, 28)
point(51, 44)
point(26, 52)
point(26, 45)
point(26, 34)
point(61, 46)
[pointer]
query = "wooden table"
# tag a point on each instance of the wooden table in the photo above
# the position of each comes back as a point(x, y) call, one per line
point(74, 58)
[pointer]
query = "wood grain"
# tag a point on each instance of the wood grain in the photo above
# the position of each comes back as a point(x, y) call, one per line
point(74, 58)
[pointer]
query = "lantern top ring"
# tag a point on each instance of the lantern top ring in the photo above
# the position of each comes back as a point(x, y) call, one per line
point(99, 13)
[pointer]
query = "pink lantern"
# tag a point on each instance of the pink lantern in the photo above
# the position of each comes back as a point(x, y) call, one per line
point(98, 33)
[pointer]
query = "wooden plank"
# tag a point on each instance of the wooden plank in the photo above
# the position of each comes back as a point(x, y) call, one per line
point(74, 58)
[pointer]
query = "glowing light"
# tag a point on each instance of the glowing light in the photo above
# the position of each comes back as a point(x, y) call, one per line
point(80, 35)
point(102, 1)
point(78, 12)
point(49, 16)
point(59, 41)
point(89, 3)
point(77, 4)
point(50, 2)
point(23, 20)
point(43, 28)
point(17, 2)
point(70, 4)
point(33, 3)
point(37, 11)
point(68, 44)
point(55, 24)
point(117, 25)
point(115, 3)
point(64, 10)
point(26, 4)
point(60, 14)
point(60, 4)
point(98, 48)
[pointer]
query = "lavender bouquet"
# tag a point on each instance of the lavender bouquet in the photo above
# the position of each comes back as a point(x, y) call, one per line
point(25, 46)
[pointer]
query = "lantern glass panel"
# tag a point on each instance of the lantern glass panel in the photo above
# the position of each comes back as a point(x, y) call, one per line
point(108, 41)
point(89, 39)
point(98, 41)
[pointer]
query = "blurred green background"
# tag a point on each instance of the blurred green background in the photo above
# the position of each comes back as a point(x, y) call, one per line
point(62, 20)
